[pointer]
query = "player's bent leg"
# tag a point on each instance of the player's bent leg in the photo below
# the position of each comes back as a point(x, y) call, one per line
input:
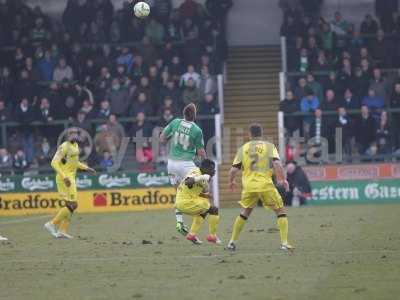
point(194, 229)
point(238, 227)
point(64, 225)
point(213, 221)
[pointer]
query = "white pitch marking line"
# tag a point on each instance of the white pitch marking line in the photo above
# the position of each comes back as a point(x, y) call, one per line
point(24, 220)
point(233, 255)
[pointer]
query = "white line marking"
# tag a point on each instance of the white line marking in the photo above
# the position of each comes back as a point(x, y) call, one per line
point(24, 220)
point(232, 255)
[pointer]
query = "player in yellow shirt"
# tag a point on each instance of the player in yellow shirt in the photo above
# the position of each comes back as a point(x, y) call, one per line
point(258, 160)
point(66, 163)
point(192, 199)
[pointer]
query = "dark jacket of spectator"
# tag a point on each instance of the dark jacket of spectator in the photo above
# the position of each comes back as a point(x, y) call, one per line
point(289, 106)
point(366, 129)
point(118, 97)
point(5, 113)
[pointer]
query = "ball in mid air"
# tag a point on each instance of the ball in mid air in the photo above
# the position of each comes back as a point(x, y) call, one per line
point(141, 10)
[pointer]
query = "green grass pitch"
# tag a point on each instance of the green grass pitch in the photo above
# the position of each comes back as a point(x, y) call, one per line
point(342, 252)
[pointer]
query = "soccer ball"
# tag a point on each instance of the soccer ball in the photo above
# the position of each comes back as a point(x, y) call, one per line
point(141, 10)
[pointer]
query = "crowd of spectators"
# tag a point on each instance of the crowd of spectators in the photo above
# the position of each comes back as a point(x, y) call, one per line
point(101, 63)
point(343, 75)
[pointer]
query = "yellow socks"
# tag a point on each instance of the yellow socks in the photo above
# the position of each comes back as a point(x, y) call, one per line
point(237, 227)
point(213, 221)
point(63, 214)
point(64, 225)
point(283, 225)
point(196, 224)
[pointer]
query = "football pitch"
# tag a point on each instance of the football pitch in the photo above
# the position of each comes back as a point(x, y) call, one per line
point(342, 252)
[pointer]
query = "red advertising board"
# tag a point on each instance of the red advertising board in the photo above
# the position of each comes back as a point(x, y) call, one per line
point(353, 172)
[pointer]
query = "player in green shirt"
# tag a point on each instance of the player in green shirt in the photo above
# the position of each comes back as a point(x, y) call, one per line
point(186, 142)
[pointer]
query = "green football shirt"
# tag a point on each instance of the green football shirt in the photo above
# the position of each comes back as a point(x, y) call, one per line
point(185, 139)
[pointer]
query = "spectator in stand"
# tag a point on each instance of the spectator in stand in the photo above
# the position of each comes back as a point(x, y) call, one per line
point(360, 83)
point(374, 103)
point(339, 25)
point(20, 163)
point(322, 64)
point(170, 90)
point(25, 87)
point(218, 10)
point(168, 103)
point(349, 100)
point(209, 106)
point(5, 114)
point(208, 83)
point(62, 71)
point(162, 9)
point(330, 102)
point(299, 185)
point(138, 69)
point(155, 31)
point(175, 68)
point(125, 59)
point(115, 127)
point(332, 83)
point(88, 109)
point(301, 89)
point(303, 64)
point(106, 161)
point(82, 122)
point(369, 26)
point(7, 84)
point(148, 51)
point(106, 140)
point(142, 104)
point(384, 135)
point(46, 66)
point(381, 50)
point(380, 85)
point(24, 114)
point(394, 103)
point(5, 160)
point(190, 74)
point(191, 94)
point(308, 104)
point(344, 122)
point(328, 38)
point(105, 110)
point(44, 154)
point(166, 117)
point(118, 97)
point(289, 106)
point(365, 129)
point(315, 86)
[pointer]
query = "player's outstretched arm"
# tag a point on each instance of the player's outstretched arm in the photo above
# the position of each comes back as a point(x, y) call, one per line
point(85, 167)
point(232, 177)
point(280, 174)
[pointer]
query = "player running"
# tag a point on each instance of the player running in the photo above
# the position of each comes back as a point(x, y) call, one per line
point(186, 141)
point(259, 159)
point(192, 198)
point(66, 162)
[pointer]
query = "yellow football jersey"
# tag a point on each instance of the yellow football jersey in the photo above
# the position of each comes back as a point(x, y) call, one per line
point(199, 187)
point(255, 159)
point(66, 160)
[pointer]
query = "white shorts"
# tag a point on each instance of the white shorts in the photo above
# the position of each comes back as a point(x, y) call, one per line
point(178, 169)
